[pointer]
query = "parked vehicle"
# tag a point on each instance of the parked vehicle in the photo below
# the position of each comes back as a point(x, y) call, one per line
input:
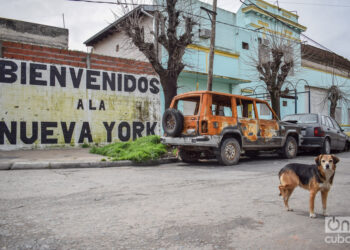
point(210, 124)
point(346, 129)
point(319, 132)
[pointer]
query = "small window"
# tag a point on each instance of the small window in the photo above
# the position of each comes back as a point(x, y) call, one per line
point(117, 48)
point(285, 103)
point(245, 45)
point(221, 106)
point(259, 40)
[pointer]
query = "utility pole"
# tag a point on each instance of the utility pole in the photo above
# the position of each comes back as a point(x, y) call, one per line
point(212, 44)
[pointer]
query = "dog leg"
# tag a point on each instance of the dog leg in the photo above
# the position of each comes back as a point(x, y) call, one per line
point(312, 204)
point(286, 193)
point(324, 195)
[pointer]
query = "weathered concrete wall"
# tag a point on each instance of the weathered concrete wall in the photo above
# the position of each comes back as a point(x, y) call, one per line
point(45, 105)
point(19, 31)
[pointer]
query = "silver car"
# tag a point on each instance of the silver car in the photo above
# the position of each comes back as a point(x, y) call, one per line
point(319, 132)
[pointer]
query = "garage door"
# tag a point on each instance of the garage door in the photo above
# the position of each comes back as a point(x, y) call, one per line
point(318, 103)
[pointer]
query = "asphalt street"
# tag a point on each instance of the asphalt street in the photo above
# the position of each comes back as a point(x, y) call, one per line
point(173, 206)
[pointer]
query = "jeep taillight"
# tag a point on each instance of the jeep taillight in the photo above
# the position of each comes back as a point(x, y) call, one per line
point(204, 127)
point(318, 131)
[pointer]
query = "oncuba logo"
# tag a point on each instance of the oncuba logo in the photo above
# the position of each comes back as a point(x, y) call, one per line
point(337, 224)
point(339, 227)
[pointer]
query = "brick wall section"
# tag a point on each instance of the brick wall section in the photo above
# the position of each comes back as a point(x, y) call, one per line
point(49, 55)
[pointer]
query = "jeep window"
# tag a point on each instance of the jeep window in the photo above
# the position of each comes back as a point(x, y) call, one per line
point(188, 106)
point(264, 111)
point(245, 108)
point(221, 106)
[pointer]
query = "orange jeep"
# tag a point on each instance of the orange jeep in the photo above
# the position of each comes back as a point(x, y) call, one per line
point(205, 124)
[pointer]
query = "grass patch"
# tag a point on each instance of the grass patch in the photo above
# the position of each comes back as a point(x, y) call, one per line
point(142, 149)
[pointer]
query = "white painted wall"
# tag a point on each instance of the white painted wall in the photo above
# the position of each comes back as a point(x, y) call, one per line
point(28, 95)
point(127, 50)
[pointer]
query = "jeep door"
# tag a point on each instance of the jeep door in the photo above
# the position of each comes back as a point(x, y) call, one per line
point(269, 129)
point(247, 121)
point(221, 116)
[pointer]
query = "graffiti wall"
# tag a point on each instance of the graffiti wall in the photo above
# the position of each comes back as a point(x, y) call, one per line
point(44, 105)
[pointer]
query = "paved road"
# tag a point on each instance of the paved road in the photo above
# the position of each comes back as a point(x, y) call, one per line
point(176, 206)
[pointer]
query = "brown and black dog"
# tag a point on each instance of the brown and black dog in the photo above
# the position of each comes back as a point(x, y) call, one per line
point(314, 178)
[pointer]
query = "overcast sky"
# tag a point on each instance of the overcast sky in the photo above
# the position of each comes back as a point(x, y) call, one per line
point(327, 21)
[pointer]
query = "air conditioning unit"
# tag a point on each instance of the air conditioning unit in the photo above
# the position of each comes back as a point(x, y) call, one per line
point(204, 33)
point(265, 42)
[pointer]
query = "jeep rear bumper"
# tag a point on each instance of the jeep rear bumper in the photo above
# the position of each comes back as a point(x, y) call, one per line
point(201, 141)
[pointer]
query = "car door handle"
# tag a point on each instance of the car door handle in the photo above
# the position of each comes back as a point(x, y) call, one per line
point(193, 118)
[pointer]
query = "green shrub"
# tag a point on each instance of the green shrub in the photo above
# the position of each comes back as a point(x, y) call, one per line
point(142, 149)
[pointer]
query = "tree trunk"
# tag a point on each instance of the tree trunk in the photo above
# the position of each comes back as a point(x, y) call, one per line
point(275, 103)
point(169, 84)
point(333, 108)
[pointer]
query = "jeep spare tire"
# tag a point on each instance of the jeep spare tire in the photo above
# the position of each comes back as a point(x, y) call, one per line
point(173, 122)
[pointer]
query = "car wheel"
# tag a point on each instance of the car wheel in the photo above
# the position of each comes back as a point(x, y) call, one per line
point(229, 152)
point(326, 147)
point(290, 148)
point(189, 156)
point(173, 122)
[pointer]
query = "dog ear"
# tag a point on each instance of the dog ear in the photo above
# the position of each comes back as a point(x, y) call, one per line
point(317, 160)
point(335, 159)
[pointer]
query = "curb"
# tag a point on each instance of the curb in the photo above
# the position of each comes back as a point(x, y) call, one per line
point(94, 164)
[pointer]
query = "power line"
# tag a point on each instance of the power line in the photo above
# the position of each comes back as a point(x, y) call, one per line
point(220, 22)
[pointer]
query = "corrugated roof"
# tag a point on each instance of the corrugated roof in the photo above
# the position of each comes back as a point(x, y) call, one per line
point(317, 55)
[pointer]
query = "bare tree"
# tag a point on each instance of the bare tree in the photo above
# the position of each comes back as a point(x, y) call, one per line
point(173, 31)
point(274, 59)
point(335, 94)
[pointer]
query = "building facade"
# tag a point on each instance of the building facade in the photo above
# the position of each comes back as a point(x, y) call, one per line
point(239, 37)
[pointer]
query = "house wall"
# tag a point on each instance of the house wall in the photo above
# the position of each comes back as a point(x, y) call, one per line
point(53, 97)
point(127, 49)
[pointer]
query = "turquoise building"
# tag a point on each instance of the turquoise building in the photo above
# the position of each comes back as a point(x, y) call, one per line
point(239, 37)
point(240, 41)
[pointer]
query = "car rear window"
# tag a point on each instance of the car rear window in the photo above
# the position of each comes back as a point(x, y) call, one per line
point(308, 118)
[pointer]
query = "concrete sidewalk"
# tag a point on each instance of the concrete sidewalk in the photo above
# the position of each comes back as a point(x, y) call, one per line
point(62, 158)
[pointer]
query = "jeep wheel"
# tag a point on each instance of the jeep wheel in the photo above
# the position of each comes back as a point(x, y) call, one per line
point(172, 122)
point(189, 156)
point(229, 152)
point(326, 147)
point(290, 148)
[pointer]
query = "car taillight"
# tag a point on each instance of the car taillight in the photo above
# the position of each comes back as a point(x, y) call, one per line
point(204, 126)
point(318, 131)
